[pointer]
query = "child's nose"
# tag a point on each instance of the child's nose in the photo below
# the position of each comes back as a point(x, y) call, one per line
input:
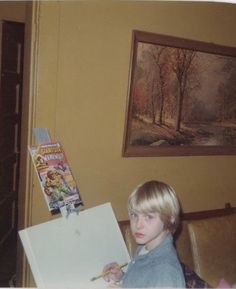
point(139, 222)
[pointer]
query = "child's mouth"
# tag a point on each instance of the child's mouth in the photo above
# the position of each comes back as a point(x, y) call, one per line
point(138, 235)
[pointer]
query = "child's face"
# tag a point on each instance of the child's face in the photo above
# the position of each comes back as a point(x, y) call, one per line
point(147, 229)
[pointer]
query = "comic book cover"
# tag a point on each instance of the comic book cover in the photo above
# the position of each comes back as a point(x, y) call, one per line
point(55, 177)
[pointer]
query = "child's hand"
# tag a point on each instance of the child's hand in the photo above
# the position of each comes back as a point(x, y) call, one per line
point(112, 272)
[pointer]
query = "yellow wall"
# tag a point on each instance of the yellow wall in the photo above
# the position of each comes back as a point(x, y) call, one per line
point(82, 79)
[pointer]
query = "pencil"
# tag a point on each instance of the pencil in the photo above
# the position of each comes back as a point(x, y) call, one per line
point(105, 273)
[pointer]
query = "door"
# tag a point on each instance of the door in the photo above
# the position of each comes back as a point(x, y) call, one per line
point(11, 68)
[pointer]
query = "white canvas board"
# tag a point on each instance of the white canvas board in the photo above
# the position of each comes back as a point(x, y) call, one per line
point(68, 252)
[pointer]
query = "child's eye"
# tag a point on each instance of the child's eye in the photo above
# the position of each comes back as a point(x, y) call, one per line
point(149, 217)
point(133, 215)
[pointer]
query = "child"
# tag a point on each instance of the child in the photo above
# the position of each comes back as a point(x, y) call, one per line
point(154, 215)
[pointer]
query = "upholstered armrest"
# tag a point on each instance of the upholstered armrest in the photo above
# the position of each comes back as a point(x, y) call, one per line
point(213, 244)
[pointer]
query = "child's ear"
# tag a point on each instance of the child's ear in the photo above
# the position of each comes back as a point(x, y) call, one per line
point(172, 219)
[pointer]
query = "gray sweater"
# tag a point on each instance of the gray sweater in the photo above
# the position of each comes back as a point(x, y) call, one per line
point(159, 267)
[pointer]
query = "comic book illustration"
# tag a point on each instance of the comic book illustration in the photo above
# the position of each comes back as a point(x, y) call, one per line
point(55, 177)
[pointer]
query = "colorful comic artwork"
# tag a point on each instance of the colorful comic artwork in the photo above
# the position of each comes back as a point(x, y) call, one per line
point(55, 177)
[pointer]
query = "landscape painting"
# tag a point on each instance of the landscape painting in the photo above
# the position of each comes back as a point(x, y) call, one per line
point(182, 97)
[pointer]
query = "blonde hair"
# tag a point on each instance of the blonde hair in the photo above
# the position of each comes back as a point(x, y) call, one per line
point(156, 197)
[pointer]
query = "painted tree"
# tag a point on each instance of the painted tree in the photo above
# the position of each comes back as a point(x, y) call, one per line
point(160, 58)
point(227, 91)
point(154, 63)
point(182, 67)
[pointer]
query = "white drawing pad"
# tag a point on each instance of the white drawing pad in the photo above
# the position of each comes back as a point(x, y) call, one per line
point(68, 252)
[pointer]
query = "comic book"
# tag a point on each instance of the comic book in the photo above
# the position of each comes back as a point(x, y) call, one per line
point(55, 177)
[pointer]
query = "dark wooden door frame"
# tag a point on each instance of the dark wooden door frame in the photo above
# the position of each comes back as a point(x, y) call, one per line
point(12, 54)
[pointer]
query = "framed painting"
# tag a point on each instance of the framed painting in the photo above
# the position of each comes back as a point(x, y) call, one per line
point(181, 98)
